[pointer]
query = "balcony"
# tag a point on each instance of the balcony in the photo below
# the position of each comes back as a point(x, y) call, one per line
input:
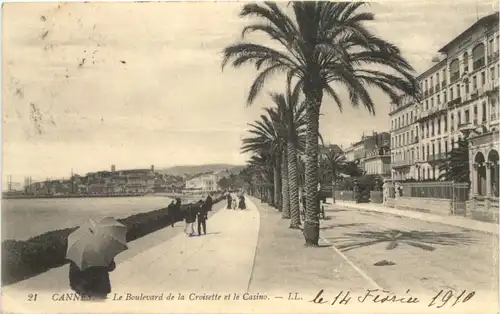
point(455, 101)
point(478, 64)
point(437, 88)
point(492, 57)
point(491, 86)
point(437, 157)
point(426, 93)
point(454, 77)
point(443, 84)
point(401, 163)
point(431, 90)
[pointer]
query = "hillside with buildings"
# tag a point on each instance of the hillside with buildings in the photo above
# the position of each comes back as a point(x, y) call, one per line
point(194, 170)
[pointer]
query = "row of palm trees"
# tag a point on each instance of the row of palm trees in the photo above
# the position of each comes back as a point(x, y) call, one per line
point(320, 48)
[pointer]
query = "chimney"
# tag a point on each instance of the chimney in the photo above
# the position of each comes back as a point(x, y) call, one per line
point(113, 168)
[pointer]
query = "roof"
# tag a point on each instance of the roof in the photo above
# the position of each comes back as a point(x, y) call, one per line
point(486, 20)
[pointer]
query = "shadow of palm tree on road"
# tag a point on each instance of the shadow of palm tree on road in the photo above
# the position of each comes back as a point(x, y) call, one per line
point(420, 239)
point(356, 224)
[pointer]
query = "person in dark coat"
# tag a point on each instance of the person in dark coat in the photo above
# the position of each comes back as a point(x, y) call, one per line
point(171, 212)
point(91, 283)
point(209, 202)
point(229, 200)
point(190, 219)
point(242, 204)
point(202, 216)
point(177, 210)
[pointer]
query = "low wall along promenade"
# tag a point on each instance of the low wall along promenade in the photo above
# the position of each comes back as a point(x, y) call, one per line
point(25, 259)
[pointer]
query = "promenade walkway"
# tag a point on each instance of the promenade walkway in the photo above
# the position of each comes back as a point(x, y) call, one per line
point(219, 262)
point(456, 221)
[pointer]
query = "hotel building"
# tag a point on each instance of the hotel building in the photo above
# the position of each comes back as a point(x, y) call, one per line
point(459, 97)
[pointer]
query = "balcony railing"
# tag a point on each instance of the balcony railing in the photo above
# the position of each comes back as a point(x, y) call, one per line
point(426, 93)
point(454, 77)
point(455, 101)
point(443, 84)
point(431, 90)
point(401, 163)
point(437, 88)
point(462, 125)
point(492, 85)
point(492, 57)
point(478, 64)
point(438, 156)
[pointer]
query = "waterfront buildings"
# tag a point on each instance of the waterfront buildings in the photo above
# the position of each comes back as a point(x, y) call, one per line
point(459, 95)
point(203, 183)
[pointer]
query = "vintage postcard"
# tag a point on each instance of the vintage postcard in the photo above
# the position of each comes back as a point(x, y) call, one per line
point(250, 157)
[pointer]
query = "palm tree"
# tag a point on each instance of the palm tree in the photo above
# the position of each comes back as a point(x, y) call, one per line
point(289, 118)
point(333, 164)
point(265, 137)
point(263, 165)
point(321, 43)
point(456, 166)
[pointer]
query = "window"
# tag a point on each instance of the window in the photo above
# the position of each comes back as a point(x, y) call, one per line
point(466, 87)
point(437, 78)
point(483, 78)
point(446, 147)
point(452, 143)
point(475, 113)
point(411, 116)
point(466, 62)
point(445, 120)
point(458, 90)
point(439, 126)
point(483, 113)
point(444, 96)
point(432, 102)
point(427, 129)
point(438, 99)
point(490, 46)
point(474, 83)
point(433, 149)
point(454, 71)
point(407, 138)
point(467, 116)
point(478, 57)
point(432, 128)
point(452, 125)
point(493, 112)
point(459, 118)
point(439, 147)
point(422, 132)
point(426, 105)
point(428, 151)
point(451, 93)
point(492, 73)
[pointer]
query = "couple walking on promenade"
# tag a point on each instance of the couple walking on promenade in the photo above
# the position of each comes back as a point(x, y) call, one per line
point(198, 212)
point(232, 199)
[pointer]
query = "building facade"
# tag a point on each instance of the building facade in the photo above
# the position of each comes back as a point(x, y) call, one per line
point(459, 94)
point(203, 183)
point(373, 153)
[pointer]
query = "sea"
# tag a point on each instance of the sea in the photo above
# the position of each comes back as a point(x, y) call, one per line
point(24, 218)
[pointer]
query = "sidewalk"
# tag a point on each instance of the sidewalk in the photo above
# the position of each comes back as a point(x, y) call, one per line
point(456, 221)
point(220, 261)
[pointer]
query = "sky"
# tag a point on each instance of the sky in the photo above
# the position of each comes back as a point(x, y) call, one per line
point(87, 85)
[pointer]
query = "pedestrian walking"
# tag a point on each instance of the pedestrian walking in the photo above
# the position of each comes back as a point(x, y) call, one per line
point(177, 209)
point(171, 212)
point(242, 204)
point(234, 198)
point(190, 219)
point(229, 200)
point(91, 251)
point(209, 202)
point(202, 217)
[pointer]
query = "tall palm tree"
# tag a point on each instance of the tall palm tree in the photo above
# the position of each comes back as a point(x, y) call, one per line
point(320, 44)
point(456, 166)
point(333, 163)
point(265, 137)
point(289, 118)
point(262, 162)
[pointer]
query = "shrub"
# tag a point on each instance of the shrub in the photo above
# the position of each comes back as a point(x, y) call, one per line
point(25, 259)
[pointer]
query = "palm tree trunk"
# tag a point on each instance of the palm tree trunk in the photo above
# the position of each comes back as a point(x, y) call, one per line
point(277, 184)
point(333, 190)
point(311, 224)
point(285, 214)
point(293, 188)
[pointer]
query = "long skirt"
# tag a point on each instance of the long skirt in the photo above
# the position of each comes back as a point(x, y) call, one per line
point(229, 201)
point(189, 229)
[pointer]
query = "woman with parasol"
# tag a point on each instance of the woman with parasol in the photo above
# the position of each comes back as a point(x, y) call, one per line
point(91, 252)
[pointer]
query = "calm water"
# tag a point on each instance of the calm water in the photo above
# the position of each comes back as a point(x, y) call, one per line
point(25, 218)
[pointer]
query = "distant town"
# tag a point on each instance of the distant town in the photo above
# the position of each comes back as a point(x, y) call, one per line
point(118, 182)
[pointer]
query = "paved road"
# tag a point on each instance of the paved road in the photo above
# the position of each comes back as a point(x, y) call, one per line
point(426, 257)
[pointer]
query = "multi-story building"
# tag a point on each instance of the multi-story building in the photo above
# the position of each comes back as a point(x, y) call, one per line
point(203, 183)
point(458, 95)
point(373, 153)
